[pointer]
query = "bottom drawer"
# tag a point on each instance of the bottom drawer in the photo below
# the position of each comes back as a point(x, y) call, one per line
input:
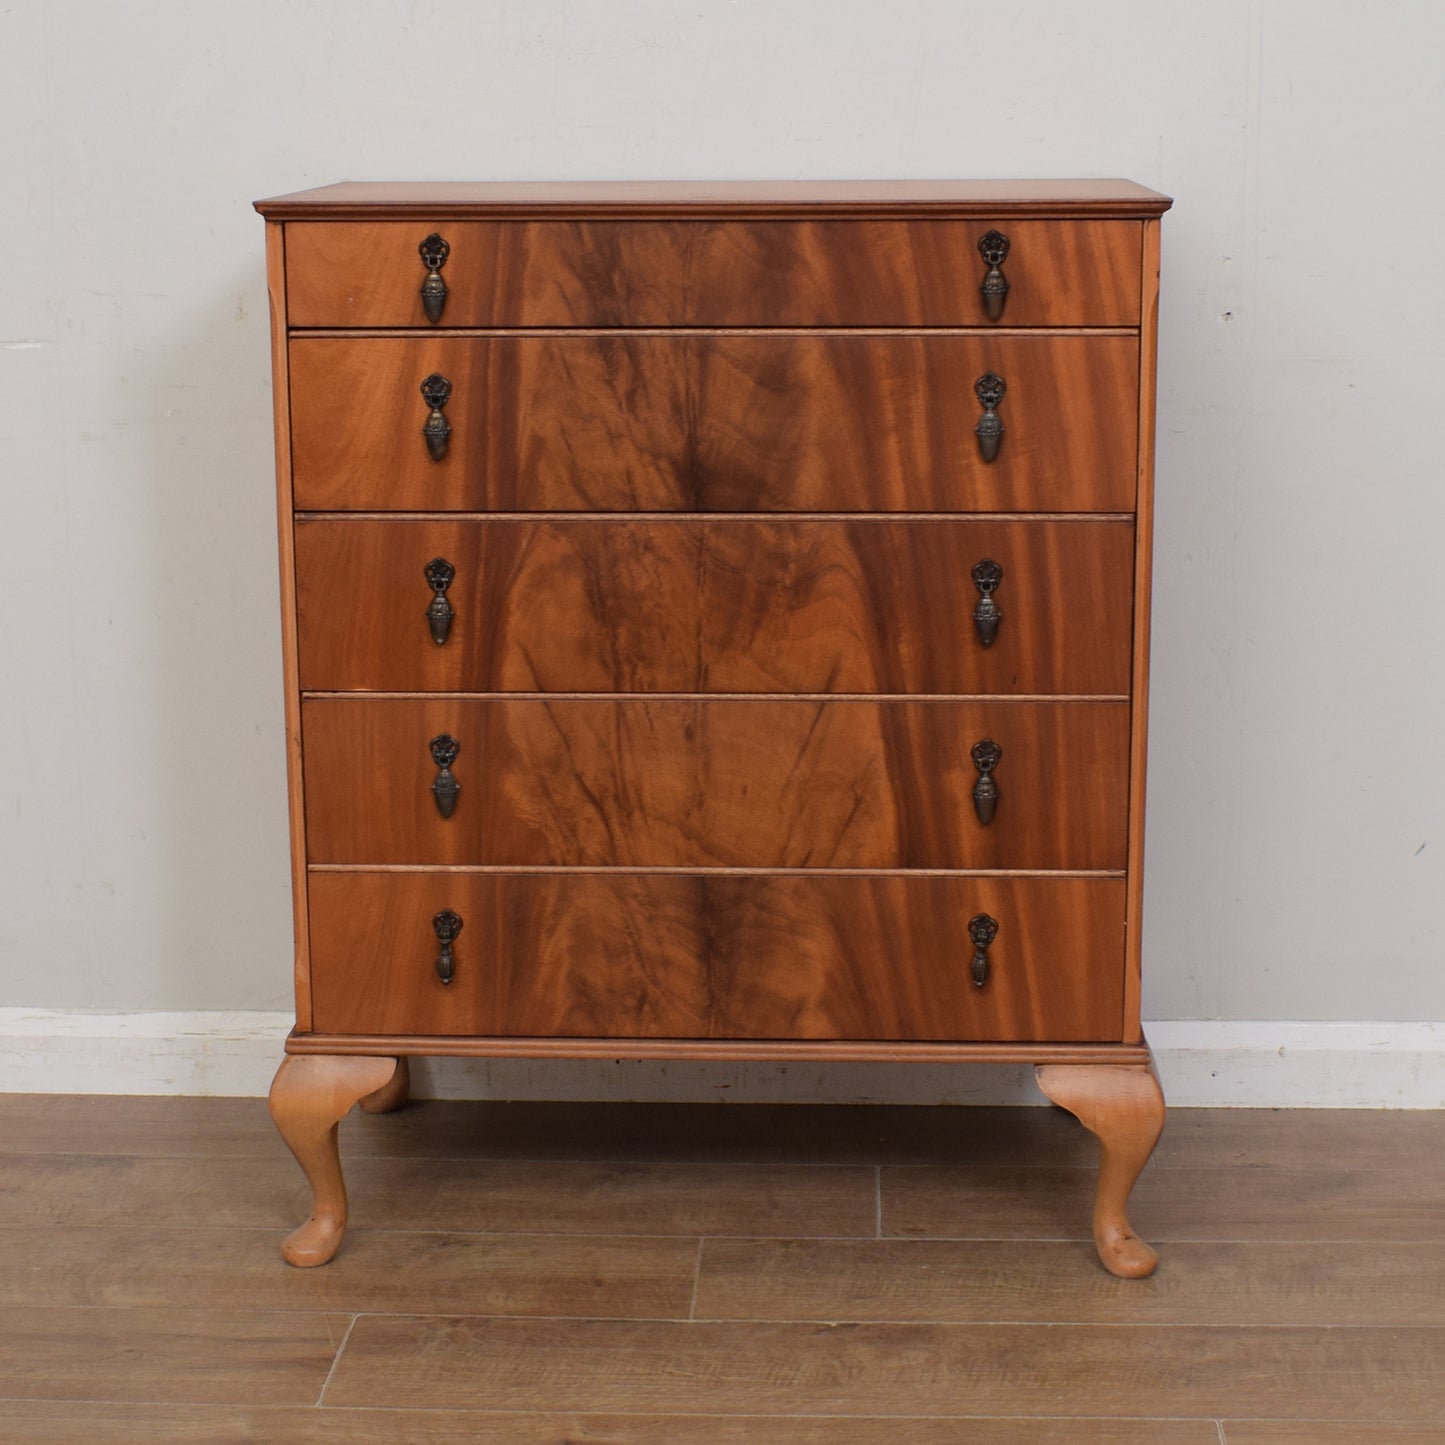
point(717, 956)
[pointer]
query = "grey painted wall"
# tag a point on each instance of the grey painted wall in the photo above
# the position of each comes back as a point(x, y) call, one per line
point(1295, 848)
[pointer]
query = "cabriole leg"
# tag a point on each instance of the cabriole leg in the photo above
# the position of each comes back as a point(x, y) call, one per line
point(1124, 1106)
point(310, 1096)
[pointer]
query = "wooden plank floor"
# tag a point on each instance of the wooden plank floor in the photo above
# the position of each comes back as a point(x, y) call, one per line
point(671, 1274)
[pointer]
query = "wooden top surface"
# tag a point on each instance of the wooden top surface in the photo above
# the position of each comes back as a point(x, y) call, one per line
point(404, 200)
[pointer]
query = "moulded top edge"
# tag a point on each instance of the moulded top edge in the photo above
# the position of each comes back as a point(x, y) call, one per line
point(562, 200)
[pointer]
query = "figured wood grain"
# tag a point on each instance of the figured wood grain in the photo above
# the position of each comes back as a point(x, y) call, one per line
point(747, 1368)
point(281, 404)
point(1072, 197)
point(648, 956)
point(722, 422)
point(861, 271)
point(715, 782)
point(723, 606)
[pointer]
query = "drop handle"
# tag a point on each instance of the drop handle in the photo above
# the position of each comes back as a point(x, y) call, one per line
point(994, 248)
point(446, 925)
point(439, 576)
point(436, 391)
point(989, 389)
point(982, 929)
point(444, 749)
point(434, 251)
point(986, 614)
point(986, 755)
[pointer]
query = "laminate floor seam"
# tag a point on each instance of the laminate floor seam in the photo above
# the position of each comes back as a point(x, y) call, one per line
point(696, 1279)
point(340, 1350)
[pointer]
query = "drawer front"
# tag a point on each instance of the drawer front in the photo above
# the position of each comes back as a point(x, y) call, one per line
point(753, 957)
point(715, 606)
point(730, 423)
point(709, 273)
point(687, 783)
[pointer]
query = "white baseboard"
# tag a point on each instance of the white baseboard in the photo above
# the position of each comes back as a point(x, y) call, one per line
point(1210, 1064)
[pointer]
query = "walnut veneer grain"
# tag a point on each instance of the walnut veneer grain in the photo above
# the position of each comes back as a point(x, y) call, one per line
point(727, 422)
point(753, 272)
point(716, 783)
point(734, 605)
point(717, 957)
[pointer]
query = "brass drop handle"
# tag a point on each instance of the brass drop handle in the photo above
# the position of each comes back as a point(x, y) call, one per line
point(989, 389)
point(439, 614)
point(994, 248)
point(436, 391)
point(446, 925)
point(434, 252)
point(986, 614)
point(982, 930)
point(444, 749)
point(986, 755)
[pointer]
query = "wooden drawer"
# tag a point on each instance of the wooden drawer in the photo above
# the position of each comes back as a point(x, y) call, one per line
point(731, 423)
point(720, 605)
point(687, 783)
point(708, 273)
point(681, 956)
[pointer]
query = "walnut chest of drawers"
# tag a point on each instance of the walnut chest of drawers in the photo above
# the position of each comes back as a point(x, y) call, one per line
point(716, 625)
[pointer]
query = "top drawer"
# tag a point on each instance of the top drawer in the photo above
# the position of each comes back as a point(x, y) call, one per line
point(609, 273)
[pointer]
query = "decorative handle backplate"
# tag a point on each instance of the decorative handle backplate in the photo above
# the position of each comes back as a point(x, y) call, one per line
point(447, 925)
point(989, 389)
point(986, 755)
point(444, 749)
point(994, 249)
point(436, 391)
point(986, 615)
point(982, 930)
point(434, 252)
point(439, 574)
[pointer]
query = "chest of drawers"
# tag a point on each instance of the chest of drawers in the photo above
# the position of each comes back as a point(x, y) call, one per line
point(716, 626)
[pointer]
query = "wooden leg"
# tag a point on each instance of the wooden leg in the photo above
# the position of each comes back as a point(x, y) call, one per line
point(310, 1096)
point(1123, 1105)
point(391, 1095)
